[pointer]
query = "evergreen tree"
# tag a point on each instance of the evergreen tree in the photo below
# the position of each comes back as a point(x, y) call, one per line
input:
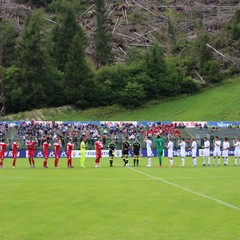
point(156, 69)
point(171, 38)
point(236, 25)
point(79, 85)
point(63, 34)
point(8, 37)
point(36, 72)
point(103, 37)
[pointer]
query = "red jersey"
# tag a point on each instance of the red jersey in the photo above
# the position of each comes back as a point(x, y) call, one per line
point(98, 146)
point(31, 145)
point(57, 148)
point(69, 149)
point(14, 147)
point(3, 146)
point(3, 149)
point(45, 147)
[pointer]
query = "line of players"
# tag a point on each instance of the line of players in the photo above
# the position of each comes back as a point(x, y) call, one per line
point(220, 149)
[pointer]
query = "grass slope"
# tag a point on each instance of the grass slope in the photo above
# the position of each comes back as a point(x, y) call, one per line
point(217, 104)
point(119, 203)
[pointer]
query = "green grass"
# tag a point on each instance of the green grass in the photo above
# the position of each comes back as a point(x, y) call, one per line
point(216, 104)
point(119, 203)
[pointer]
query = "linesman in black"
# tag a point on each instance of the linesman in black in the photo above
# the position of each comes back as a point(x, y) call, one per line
point(111, 148)
point(136, 148)
point(125, 151)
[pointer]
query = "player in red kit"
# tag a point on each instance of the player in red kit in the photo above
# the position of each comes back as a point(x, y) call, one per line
point(57, 145)
point(3, 146)
point(15, 146)
point(98, 149)
point(46, 144)
point(70, 147)
point(31, 145)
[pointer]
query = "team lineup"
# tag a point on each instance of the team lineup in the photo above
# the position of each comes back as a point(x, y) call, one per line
point(220, 150)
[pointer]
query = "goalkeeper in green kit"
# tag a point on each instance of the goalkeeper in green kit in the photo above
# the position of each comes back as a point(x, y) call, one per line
point(158, 139)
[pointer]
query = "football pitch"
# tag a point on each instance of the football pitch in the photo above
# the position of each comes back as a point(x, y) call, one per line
point(119, 203)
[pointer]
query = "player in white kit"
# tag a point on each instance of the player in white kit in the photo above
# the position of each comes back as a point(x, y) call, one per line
point(194, 152)
point(182, 145)
point(206, 151)
point(170, 152)
point(236, 144)
point(149, 150)
point(217, 150)
point(225, 147)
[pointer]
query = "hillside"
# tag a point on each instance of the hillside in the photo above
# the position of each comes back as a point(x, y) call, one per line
point(216, 104)
point(49, 61)
point(140, 23)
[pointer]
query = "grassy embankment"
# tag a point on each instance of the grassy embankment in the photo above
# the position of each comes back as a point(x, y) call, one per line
point(215, 104)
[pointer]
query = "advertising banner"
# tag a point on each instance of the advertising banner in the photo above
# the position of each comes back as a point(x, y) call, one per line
point(105, 153)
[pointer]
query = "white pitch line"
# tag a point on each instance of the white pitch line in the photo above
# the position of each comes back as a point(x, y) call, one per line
point(188, 190)
point(210, 177)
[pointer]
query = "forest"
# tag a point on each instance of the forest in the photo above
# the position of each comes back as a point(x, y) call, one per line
point(53, 61)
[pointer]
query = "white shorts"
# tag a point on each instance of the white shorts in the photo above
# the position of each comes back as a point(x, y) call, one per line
point(149, 153)
point(217, 153)
point(225, 153)
point(194, 153)
point(182, 154)
point(206, 153)
point(170, 154)
point(237, 153)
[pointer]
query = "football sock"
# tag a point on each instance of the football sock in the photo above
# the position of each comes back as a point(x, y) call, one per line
point(30, 162)
point(219, 161)
point(56, 162)
point(134, 161)
point(195, 161)
point(209, 160)
point(111, 162)
point(160, 161)
point(14, 162)
point(235, 161)
point(124, 161)
point(149, 161)
point(82, 161)
point(171, 162)
point(137, 162)
point(33, 162)
point(45, 163)
point(183, 161)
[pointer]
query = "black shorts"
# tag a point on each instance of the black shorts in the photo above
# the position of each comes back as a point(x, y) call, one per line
point(136, 153)
point(111, 153)
point(125, 152)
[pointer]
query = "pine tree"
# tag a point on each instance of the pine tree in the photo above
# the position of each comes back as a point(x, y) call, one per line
point(36, 73)
point(63, 35)
point(8, 37)
point(79, 84)
point(103, 37)
point(156, 69)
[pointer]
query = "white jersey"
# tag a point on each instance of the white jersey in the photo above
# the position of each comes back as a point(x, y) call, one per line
point(217, 148)
point(170, 149)
point(149, 147)
point(182, 149)
point(226, 146)
point(194, 149)
point(237, 149)
point(206, 152)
